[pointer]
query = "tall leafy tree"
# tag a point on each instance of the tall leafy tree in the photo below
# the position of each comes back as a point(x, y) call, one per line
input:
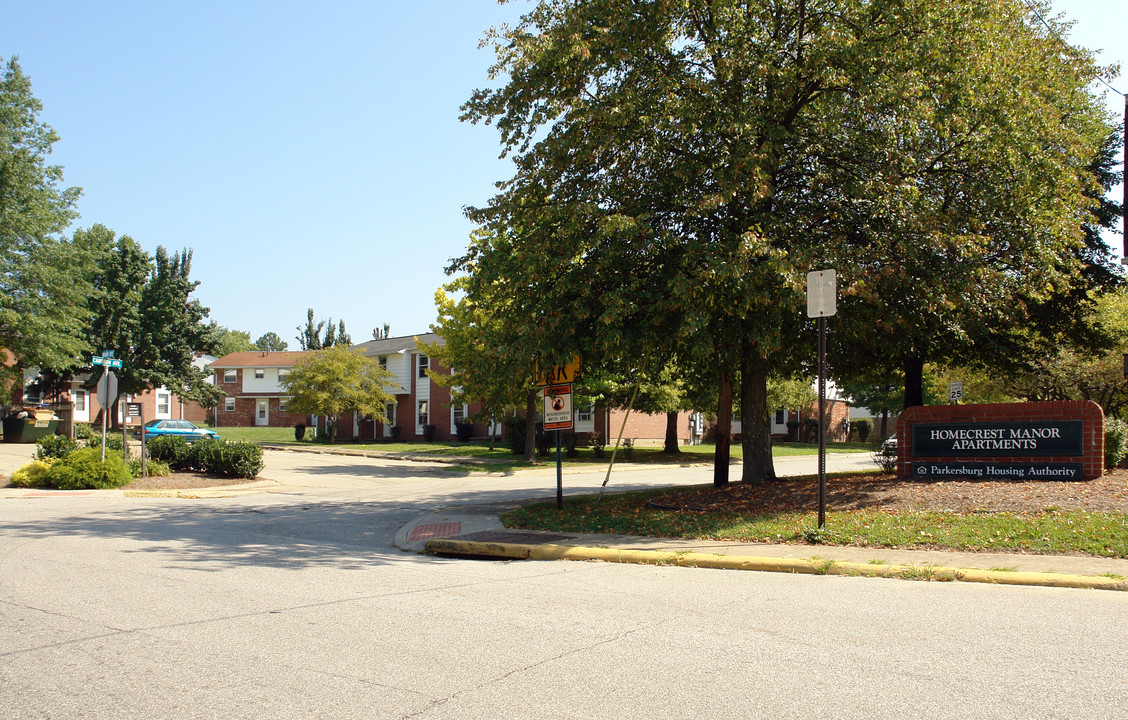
point(43, 283)
point(337, 380)
point(679, 167)
point(143, 310)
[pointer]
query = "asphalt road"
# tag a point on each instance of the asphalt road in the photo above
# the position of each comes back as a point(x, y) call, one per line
point(295, 604)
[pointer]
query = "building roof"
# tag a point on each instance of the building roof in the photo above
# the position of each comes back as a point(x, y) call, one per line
point(390, 346)
point(259, 359)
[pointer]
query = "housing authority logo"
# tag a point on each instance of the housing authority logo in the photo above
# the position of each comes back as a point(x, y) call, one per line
point(1007, 439)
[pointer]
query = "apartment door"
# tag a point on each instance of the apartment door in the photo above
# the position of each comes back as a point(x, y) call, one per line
point(262, 412)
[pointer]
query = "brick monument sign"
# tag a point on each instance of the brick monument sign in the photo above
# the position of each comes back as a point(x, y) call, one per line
point(1011, 441)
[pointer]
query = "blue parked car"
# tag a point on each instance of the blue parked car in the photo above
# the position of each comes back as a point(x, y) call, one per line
point(178, 428)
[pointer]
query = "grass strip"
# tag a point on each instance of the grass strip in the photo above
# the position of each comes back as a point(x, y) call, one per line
point(1047, 532)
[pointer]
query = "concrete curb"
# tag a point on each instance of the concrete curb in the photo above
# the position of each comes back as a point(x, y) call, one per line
point(769, 564)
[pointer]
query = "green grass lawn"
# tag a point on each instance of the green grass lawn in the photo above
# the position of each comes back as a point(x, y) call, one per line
point(1099, 534)
point(277, 435)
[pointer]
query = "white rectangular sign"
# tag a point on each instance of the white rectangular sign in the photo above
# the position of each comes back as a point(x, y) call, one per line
point(822, 300)
point(558, 407)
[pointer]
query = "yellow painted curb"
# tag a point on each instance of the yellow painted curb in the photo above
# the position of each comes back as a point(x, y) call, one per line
point(770, 564)
point(516, 551)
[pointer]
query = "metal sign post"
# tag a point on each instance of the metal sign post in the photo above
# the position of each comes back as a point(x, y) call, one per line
point(106, 390)
point(558, 417)
point(137, 410)
point(822, 303)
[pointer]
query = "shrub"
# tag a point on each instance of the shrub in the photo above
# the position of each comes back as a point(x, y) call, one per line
point(570, 440)
point(1116, 441)
point(886, 458)
point(231, 459)
point(55, 446)
point(34, 474)
point(515, 434)
point(544, 439)
point(114, 444)
point(865, 427)
point(154, 468)
point(429, 433)
point(218, 457)
point(83, 431)
point(628, 448)
point(84, 469)
point(810, 430)
point(299, 432)
point(597, 443)
point(172, 450)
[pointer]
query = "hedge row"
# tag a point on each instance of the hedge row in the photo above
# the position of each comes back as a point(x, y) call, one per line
point(219, 457)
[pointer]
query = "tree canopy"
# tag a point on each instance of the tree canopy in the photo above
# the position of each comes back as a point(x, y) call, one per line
point(270, 342)
point(43, 283)
point(680, 166)
point(310, 335)
point(337, 380)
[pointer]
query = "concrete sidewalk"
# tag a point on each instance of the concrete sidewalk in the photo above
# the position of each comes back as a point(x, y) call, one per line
point(477, 531)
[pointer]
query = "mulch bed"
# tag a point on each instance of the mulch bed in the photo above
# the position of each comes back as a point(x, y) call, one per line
point(184, 481)
point(886, 492)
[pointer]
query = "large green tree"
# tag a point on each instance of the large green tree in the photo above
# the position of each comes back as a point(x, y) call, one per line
point(680, 166)
point(142, 308)
point(229, 341)
point(43, 283)
point(337, 380)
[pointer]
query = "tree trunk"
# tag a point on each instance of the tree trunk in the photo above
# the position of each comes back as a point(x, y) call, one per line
point(724, 430)
point(914, 382)
point(671, 447)
point(756, 428)
point(530, 425)
point(884, 423)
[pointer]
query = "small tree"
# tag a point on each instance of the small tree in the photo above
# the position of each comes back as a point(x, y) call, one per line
point(338, 380)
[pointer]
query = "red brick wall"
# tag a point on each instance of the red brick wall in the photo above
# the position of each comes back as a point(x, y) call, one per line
point(244, 414)
point(1084, 410)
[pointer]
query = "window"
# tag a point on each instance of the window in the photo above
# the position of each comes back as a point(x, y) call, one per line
point(781, 415)
point(162, 403)
point(229, 404)
point(390, 413)
point(283, 404)
point(283, 373)
point(260, 373)
point(422, 413)
point(424, 363)
point(584, 413)
point(79, 401)
point(230, 376)
point(383, 360)
point(458, 413)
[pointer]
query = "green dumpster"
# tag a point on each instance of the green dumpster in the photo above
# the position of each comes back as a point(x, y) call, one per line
point(29, 429)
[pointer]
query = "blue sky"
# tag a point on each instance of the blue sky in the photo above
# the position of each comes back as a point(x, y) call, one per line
point(310, 154)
